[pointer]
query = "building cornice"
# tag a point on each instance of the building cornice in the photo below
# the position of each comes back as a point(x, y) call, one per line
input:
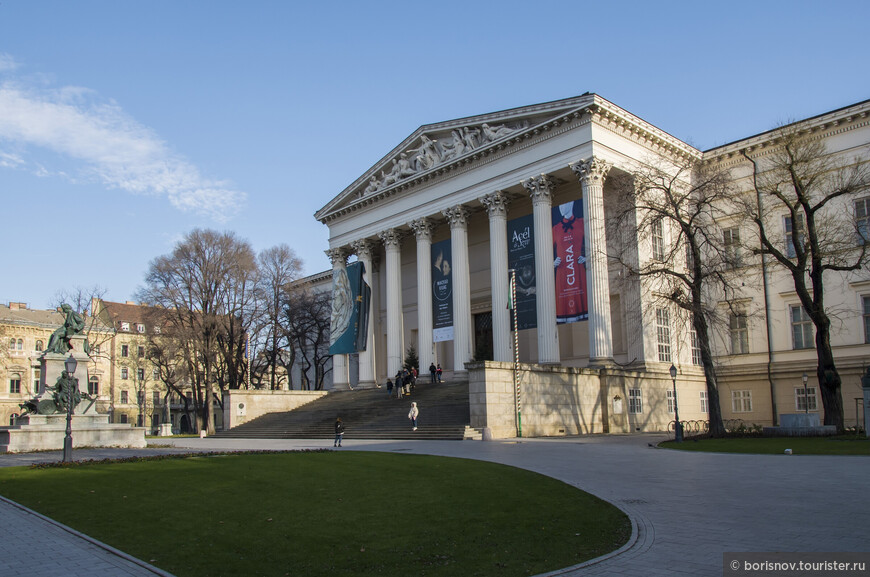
point(565, 115)
point(818, 127)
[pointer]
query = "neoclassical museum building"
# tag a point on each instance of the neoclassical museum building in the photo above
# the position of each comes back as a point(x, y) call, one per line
point(446, 219)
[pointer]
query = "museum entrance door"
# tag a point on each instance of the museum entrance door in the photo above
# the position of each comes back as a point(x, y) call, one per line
point(483, 336)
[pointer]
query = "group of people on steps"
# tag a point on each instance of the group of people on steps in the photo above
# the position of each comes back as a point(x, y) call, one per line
point(406, 379)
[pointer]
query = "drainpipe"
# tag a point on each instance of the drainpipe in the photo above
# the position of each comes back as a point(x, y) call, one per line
point(775, 413)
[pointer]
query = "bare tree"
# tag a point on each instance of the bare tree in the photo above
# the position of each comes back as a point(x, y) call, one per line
point(278, 267)
point(198, 285)
point(801, 181)
point(686, 199)
point(307, 317)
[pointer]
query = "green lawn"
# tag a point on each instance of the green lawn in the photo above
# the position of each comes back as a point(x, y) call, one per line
point(326, 513)
point(777, 445)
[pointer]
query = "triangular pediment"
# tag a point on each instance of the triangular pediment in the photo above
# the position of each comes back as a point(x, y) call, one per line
point(434, 148)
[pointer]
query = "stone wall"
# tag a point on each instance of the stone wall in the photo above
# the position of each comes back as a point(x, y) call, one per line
point(559, 401)
point(241, 406)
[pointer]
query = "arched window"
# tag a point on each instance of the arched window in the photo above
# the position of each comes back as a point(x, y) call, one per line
point(11, 344)
point(39, 346)
point(15, 383)
point(94, 386)
point(20, 344)
point(12, 418)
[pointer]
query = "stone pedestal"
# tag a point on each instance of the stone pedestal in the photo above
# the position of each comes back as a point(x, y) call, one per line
point(166, 429)
point(800, 425)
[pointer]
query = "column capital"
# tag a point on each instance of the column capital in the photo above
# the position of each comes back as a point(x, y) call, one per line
point(496, 203)
point(540, 188)
point(422, 228)
point(592, 171)
point(457, 216)
point(337, 255)
point(364, 248)
point(391, 238)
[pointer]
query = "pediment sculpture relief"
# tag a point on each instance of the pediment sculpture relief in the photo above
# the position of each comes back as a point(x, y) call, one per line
point(432, 152)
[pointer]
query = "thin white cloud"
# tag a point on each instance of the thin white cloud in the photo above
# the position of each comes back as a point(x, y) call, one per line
point(105, 143)
point(7, 63)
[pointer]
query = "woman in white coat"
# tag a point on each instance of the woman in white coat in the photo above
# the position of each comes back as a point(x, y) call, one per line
point(412, 414)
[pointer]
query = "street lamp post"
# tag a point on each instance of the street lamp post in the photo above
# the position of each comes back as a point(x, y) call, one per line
point(678, 427)
point(806, 395)
point(70, 364)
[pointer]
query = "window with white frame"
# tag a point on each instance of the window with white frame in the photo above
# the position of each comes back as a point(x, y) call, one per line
point(14, 383)
point(20, 344)
point(866, 302)
point(670, 394)
point(124, 373)
point(805, 399)
point(635, 401)
point(793, 231)
point(739, 333)
point(663, 334)
point(801, 328)
point(94, 386)
point(862, 220)
point(696, 348)
point(733, 258)
point(125, 326)
point(140, 374)
point(11, 344)
point(741, 401)
point(140, 328)
point(125, 351)
point(39, 346)
point(125, 397)
point(658, 239)
point(705, 403)
point(155, 373)
point(37, 375)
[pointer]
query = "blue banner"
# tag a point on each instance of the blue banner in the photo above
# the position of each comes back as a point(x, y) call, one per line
point(521, 258)
point(350, 307)
point(442, 291)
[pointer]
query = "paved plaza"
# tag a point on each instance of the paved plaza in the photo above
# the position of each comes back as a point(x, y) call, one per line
point(687, 508)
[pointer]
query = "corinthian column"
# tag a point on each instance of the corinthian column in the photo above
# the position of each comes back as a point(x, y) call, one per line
point(591, 175)
point(458, 219)
point(541, 191)
point(496, 206)
point(395, 341)
point(338, 258)
point(423, 230)
point(364, 250)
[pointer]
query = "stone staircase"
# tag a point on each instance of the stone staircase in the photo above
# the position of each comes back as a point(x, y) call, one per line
point(370, 414)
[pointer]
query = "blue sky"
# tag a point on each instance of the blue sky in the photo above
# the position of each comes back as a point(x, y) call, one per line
point(124, 125)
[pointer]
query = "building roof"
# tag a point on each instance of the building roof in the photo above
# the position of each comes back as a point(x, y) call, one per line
point(115, 314)
point(19, 314)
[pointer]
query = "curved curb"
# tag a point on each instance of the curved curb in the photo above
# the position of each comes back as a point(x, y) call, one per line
point(91, 540)
point(639, 526)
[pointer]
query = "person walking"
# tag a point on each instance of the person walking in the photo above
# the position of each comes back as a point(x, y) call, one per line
point(432, 371)
point(389, 387)
point(339, 432)
point(400, 384)
point(412, 415)
point(438, 373)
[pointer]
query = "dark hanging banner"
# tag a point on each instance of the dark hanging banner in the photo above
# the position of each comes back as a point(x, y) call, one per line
point(442, 291)
point(350, 307)
point(521, 257)
point(569, 254)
